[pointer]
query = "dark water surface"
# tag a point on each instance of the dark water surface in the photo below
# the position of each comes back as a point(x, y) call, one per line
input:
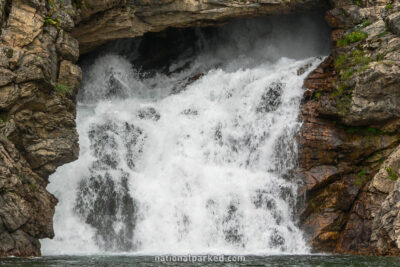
point(287, 260)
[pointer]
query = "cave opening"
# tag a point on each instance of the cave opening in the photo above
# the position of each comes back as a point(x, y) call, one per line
point(157, 51)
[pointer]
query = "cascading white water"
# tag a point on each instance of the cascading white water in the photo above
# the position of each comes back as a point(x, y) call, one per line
point(196, 161)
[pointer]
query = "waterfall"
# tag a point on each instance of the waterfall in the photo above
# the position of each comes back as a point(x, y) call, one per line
point(196, 158)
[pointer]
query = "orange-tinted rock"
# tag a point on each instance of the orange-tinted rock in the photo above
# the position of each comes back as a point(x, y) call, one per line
point(349, 200)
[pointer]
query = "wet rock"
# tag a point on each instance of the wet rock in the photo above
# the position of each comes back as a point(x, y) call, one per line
point(105, 142)
point(190, 112)
point(149, 114)
point(25, 244)
point(231, 225)
point(103, 202)
point(103, 198)
point(26, 208)
point(303, 69)
point(276, 240)
point(271, 99)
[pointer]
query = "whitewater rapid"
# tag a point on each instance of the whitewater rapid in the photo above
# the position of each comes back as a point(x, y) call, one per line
point(194, 161)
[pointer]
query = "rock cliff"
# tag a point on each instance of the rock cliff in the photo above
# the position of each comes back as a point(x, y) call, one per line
point(350, 136)
point(38, 80)
point(349, 160)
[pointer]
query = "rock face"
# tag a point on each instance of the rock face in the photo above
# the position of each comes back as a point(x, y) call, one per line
point(350, 137)
point(39, 81)
point(102, 21)
point(350, 154)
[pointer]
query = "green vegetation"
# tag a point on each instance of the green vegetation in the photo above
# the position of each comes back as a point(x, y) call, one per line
point(380, 57)
point(365, 23)
point(374, 130)
point(81, 3)
point(21, 178)
point(312, 203)
point(347, 65)
point(343, 97)
point(363, 130)
point(388, 6)
point(343, 104)
point(32, 187)
point(351, 38)
point(359, 58)
point(348, 73)
point(387, 29)
point(51, 21)
point(70, 12)
point(3, 191)
point(52, 3)
point(2, 121)
point(52, 16)
point(357, 2)
point(77, 3)
point(63, 89)
point(341, 61)
point(344, 12)
point(361, 177)
point(382, 34)
point(10, 53)
point(339, 91)
point(391, 174)
point(342, 94)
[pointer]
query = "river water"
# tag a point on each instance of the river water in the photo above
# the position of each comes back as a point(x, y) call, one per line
point(274, 261)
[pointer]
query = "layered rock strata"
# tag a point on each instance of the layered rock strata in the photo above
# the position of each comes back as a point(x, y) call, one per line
point(350, 136)
point(106, 20)
point(38, 83)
